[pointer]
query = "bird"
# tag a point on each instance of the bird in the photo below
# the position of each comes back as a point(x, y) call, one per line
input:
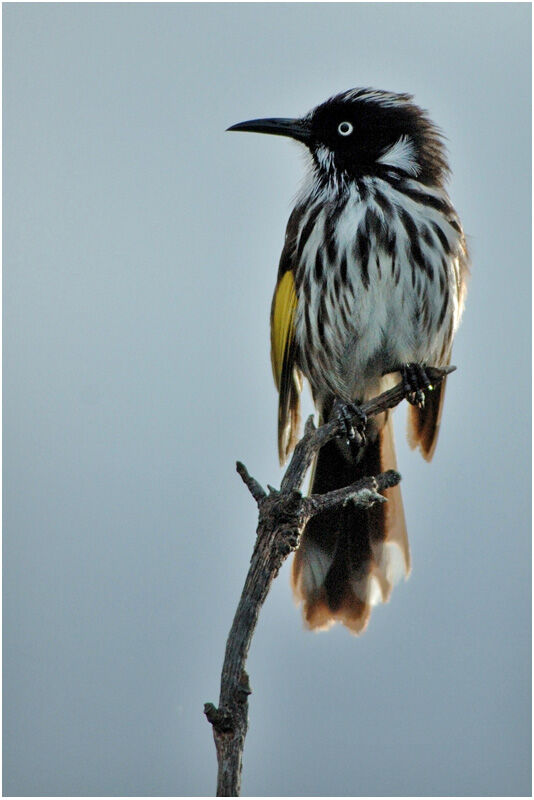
point(371, 286)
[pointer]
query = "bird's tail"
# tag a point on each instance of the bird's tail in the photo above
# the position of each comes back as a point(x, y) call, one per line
point(350, 558)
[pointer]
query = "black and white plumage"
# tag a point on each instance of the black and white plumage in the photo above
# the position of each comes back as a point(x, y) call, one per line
point(371, 278)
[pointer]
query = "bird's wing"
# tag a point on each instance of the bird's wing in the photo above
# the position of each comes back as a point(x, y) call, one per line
point(286, 375)
point(423, 423)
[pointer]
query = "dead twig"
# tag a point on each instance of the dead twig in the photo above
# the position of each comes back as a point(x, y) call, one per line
point(283, 515)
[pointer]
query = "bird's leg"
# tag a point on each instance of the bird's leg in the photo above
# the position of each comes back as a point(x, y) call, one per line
point(416, 383)
point(354, 422)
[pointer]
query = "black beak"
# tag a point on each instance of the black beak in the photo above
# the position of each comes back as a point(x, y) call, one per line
point(295, 128)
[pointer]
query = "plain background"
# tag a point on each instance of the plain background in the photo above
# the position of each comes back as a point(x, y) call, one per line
point(141, 244)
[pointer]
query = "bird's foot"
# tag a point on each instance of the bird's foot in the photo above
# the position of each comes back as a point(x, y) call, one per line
point(416, 383)
point(354, 422)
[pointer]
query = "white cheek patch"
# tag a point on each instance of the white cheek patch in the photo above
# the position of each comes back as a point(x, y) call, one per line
point(401, 155)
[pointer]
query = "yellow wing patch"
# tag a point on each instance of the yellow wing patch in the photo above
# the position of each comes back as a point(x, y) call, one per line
point(282, 323)
point(285, 372)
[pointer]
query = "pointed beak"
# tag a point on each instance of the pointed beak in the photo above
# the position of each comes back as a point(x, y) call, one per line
point(294, 128)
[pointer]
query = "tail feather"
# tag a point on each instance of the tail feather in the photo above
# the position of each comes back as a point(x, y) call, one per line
point(350, 558)
point(396, 536)
point(424, 423)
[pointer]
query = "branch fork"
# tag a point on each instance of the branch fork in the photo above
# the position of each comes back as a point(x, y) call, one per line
point(282, 517)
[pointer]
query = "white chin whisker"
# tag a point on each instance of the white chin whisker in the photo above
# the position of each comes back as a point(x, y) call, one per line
point(329, 181)
point(325, 158)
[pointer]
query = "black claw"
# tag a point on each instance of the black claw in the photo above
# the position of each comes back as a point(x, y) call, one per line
point(416, 383)
point(420, 398)
point(360, 419)
point(354, 422)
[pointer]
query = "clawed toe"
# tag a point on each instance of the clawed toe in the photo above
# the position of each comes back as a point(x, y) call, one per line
point(416, 383)
point(354, 422)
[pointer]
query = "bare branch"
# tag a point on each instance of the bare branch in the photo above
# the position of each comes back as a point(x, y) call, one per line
point(282, 517)
point(314, 438)
point(255, 489)
point(362, 493)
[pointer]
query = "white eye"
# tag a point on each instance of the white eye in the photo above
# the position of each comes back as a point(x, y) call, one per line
point(345, 129)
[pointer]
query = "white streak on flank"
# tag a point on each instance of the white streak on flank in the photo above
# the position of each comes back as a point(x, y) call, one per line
point(402, 156)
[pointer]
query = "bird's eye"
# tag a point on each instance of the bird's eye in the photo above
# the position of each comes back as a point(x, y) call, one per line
point(345, 129)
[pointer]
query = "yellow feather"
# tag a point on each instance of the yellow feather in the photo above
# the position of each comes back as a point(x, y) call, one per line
point(282, 323)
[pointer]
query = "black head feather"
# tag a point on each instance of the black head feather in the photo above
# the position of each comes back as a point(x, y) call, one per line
point(354, 132)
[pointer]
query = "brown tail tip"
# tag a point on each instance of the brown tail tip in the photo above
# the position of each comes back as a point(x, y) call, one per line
point(358, 592)
point(319, 613)
point(353, 613)
point(349, 559)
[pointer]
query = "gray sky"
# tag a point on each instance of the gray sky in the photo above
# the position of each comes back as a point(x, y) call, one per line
point(141, 245)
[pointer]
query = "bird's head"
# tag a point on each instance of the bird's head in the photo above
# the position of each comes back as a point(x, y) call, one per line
point(365, 132)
